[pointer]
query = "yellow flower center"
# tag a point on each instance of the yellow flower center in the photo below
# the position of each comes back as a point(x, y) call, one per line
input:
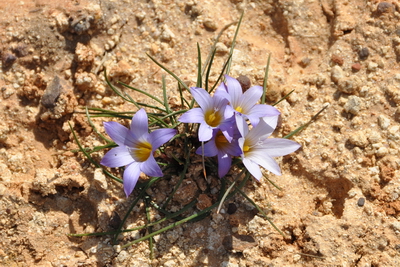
point(239, 109)
point(212, 118)
point(246, 148)
point(220, 140)
point(142, 151)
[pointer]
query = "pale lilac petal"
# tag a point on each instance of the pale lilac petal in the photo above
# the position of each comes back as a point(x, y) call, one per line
point(205, 132)
point(150, 167)
point(265, 160)
point(160, 136)
point(131, 176)
point(195, 115)
point(232, 149)
point(234, 90)
point(117, 157)
point(210, 149)
point(250, 98)
point(224, 164)
point(276, 147)
point(229, 111)
point(260, 132)
point(241, 124)
point(202, 97)
point(253, 168)
point(116, 131)
point(259, 111)
point(222, 92)
point(271, 121)
point(139, 124)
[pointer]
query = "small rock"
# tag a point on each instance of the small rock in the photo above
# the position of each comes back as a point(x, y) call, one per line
point(203, 202)
point(363, 53)
point(350, 85)
point(361, 202)
point(100, 180)
point(383, 121)
point(372, 66)
point(52, 92)
point(382, 151)
point(383, 7)
point(336, 74)
point(221, 49)
point(356, 67)
point(305, 62)
point(359, 139)
point(8, 59)
point(337, 59)
point(238, 243)
point(244, 82)
point(353, 105)
point(167, 35)
point(210, 25)
point(397, 115)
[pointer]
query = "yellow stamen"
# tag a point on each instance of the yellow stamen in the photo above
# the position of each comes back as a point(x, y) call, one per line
point(220, 140)
point(212, 118)
point(246, 148)
point(142, 151)
point(239, 109)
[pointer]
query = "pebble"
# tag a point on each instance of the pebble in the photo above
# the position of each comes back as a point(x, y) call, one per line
point(397, 115)
point(52, 92)
point(363, 53)
point(353, 105)
point(372, 66)
point(383, 122)
point(361, 202)
point(356, 67)
point(359, 139)
point(337, 59)
point(336, 74)
point(210, 25)
point(382, 151)
point(350, 85)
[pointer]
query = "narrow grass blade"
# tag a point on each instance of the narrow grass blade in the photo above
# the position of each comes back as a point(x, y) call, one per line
point(283, 98)
point(170, 72)
point(265, 83)
point(199, 76)
point(302, 127)
point(234, 43)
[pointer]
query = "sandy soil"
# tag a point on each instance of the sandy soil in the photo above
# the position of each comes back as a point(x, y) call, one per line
point(340, 202)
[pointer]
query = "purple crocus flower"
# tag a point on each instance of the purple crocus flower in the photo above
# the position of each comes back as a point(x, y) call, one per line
point(258, 149)
point(244, 103)
point(210, 114)
point(224, 150)
point(135, 149)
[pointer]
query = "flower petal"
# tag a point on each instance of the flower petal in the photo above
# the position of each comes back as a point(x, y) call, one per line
point(150, 167)
point(258, 111)
point(234, 90)
point(253, 168)
point(241, 124)
point(265, 160)
point(139, 124)
point(131, 176)
point(276, 147)
point(195, 115)
point(209, 149)
point(261, 131)
point(271, 121)
point(202, 97)
point(205, 132)
point(224, 164)
point(160, 136)
point(117, 157)
point(250, 98)
point(116, 131)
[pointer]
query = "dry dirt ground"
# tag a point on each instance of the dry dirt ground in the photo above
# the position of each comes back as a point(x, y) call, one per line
point(340, 202)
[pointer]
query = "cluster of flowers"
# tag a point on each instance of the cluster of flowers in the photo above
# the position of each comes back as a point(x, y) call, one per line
point(223, 120)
